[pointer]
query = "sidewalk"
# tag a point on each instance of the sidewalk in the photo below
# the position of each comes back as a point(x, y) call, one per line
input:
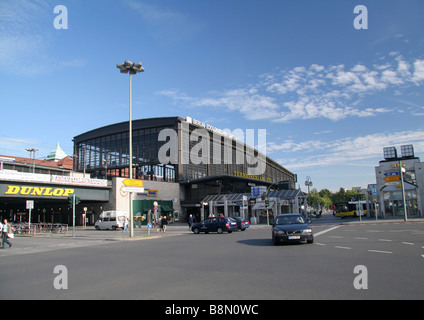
point(372, 220)
point(140, 233)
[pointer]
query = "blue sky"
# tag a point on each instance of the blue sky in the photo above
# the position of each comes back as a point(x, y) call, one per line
point(330, 96)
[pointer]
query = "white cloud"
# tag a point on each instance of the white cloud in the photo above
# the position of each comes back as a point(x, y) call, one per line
point(419, 71)
point(333, 92)
point(346, 151)
point(26, 38)
point(166, 25)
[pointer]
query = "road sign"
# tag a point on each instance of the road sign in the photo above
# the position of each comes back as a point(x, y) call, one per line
point(30, 204)
point(391, 174)
point(132, 189)
point(393, 183)
point(373, 189)
point(133, 183)
point(392, 178)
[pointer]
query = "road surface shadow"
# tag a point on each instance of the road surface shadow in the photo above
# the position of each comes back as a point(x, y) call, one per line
point(266, 243)
point(257, 242)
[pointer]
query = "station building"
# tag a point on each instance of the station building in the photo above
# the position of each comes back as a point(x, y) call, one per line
point(187, 167)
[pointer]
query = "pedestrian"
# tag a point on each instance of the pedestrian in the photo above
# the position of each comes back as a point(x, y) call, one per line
point(125, 224)
point(6, 229)
point(164, 224)
point(190, 222)
point(159, 225)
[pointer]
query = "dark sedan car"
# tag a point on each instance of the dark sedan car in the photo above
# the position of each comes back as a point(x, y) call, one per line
point(242, 224)
point(290, 228)
point(215, 224)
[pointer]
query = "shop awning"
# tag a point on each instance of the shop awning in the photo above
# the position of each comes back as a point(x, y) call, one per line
point(229, 197)
point(261, 205)
point(407, 186)
point(281, 194)
point(166, 209)
point(286, 194)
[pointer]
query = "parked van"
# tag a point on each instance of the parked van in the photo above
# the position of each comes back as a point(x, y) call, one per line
point(111, 220)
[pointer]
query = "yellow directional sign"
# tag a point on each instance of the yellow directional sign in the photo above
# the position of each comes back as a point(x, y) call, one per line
point(133, 183)
point(392, 178)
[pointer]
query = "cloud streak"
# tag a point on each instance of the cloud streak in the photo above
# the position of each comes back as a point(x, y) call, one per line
point(166, 25)
point(346, 151)
point(26, 38)
point(332, 92)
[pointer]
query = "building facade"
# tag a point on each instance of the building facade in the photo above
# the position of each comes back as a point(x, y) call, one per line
point(185, 161)
point(49, 185)
point(394, 200)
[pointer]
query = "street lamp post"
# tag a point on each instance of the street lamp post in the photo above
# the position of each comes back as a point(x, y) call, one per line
point(32, 152)
point(131, 68)
point(308, 183)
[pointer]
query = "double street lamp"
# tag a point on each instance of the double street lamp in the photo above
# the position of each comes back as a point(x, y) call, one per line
point(131, 68)
point(32, 152)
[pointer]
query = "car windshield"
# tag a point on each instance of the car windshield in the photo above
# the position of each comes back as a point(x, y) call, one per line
point(290, 220)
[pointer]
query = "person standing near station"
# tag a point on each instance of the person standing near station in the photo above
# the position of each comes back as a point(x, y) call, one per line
point(164, 224)
point(5, 230)
point(190, 222)
point(125, 225)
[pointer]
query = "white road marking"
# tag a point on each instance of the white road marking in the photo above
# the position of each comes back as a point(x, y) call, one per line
point(325, 231)
point(348, 248)
point(379, 251)
point(409, 243)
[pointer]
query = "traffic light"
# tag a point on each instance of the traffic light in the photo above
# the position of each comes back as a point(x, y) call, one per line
point(266, 203)
point(71, 200)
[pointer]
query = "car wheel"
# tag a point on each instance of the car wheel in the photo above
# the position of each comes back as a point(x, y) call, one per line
point(274, 242)
point(310, 241)
point(242, 229)
point(219, 230)
point(97, 227)
point(196, 231)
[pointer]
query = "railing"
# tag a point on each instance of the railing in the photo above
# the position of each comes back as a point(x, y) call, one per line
point(38, 228)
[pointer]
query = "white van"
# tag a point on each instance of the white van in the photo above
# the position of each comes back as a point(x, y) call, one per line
point(111, 220)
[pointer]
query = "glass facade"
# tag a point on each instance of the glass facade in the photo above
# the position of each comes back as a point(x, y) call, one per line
point(224, 156)
point(105, 152)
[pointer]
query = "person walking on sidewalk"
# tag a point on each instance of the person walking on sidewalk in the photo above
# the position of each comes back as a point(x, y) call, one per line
point(164, 224)
point(5, 230)
point(190, 222)
point(125, 225)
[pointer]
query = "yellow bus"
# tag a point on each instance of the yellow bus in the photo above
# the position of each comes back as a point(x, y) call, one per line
point(351, 209)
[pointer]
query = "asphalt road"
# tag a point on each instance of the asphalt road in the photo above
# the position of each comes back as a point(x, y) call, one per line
point(241, 265)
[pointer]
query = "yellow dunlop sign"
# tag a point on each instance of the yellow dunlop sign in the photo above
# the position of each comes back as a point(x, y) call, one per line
point(38, 191)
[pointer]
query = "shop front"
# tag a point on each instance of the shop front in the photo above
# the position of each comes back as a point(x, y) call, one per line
point(50, 198)
point(393, 202)
point(154, 200)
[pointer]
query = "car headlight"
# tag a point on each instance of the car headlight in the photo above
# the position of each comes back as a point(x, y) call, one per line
point(306, 231)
